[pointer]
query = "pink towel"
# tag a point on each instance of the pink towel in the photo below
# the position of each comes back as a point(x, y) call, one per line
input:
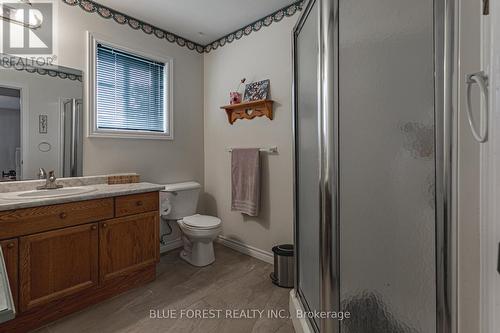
point(245, 181)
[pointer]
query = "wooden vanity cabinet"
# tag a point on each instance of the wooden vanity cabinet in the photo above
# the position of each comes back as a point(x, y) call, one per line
point(84, 253)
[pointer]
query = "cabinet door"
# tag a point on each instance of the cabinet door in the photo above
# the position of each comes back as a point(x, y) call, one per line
point(10, 252)
point(128, 244)
point(57, 263)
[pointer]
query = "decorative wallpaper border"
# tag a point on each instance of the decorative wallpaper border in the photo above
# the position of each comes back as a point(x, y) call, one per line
point(136, 24)
point(22, 66)
point(256, 26)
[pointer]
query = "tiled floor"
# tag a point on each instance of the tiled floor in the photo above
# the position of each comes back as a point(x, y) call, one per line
point(233, 282)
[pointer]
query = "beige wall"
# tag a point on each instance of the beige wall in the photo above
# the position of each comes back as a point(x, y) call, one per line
point(262, 55)
point(159, 161)
point(468, 175)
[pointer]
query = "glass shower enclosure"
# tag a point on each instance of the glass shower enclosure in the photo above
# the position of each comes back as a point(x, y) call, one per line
point(373, 121)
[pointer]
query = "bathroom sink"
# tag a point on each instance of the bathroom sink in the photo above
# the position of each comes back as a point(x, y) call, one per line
point(43, 194)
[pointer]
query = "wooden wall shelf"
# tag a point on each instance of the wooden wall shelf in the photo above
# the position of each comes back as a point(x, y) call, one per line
point(263, 107)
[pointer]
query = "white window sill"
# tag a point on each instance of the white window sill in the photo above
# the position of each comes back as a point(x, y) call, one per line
point(126, 135)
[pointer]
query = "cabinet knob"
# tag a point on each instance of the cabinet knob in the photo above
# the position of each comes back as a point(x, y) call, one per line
point(104, 225)
point(63, 215)
point(10, 245)
point(94, 227)
point(139, 203)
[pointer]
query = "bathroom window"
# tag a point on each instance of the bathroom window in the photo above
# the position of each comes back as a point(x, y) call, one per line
point(130, 93)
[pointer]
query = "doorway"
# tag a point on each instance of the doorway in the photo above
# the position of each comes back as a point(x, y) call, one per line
point(10, 127)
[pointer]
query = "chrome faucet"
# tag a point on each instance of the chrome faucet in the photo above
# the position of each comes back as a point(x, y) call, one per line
point(42, 174)
point(50, 182)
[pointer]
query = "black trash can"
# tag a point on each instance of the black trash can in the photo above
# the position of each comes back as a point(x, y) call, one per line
point(283, 275)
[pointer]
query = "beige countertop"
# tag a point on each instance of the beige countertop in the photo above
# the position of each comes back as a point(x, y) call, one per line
point(101, 191)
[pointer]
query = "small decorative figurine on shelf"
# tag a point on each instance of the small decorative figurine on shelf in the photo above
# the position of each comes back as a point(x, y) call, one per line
point(235, 96)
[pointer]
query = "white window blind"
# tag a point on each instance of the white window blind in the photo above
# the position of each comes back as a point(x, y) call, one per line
point(130, 92)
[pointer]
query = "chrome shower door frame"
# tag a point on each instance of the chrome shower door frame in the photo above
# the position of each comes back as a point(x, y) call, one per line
point(329, 152)
point(306, 11)
point(329, 232)
point(446, 125)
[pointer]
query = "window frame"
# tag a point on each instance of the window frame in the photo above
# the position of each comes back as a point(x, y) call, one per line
point(93, 130)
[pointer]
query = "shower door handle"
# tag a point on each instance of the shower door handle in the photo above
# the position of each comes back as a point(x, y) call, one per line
point(481, 79)
point(498, 259)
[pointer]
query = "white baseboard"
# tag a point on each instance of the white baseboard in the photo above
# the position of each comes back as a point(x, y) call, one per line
point(246, 249)
point(301, 325)
point(173, 244)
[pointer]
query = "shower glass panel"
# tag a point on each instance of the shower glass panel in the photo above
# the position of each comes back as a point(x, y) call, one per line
point(387, 166)
point(307, 161)
point(72, 138)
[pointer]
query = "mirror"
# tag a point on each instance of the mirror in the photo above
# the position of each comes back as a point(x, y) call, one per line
point(41, 120)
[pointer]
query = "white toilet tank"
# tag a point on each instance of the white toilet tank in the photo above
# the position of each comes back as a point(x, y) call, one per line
point(179, 200)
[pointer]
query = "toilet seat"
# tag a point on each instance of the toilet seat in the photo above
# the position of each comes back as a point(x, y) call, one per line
point(198, 221)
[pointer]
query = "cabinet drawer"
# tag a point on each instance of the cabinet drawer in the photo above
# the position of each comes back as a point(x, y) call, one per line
point(136, 204)
point(33, 220)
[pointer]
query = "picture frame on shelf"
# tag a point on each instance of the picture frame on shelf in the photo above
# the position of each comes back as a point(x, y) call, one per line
point(257, 90)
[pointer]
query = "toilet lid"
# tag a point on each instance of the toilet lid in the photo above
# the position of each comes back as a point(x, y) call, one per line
point(201, 221)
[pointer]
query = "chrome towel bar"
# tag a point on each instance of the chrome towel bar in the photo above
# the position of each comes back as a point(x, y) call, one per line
point(271, 150)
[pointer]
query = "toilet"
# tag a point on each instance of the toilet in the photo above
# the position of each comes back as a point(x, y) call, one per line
point(178, 202)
